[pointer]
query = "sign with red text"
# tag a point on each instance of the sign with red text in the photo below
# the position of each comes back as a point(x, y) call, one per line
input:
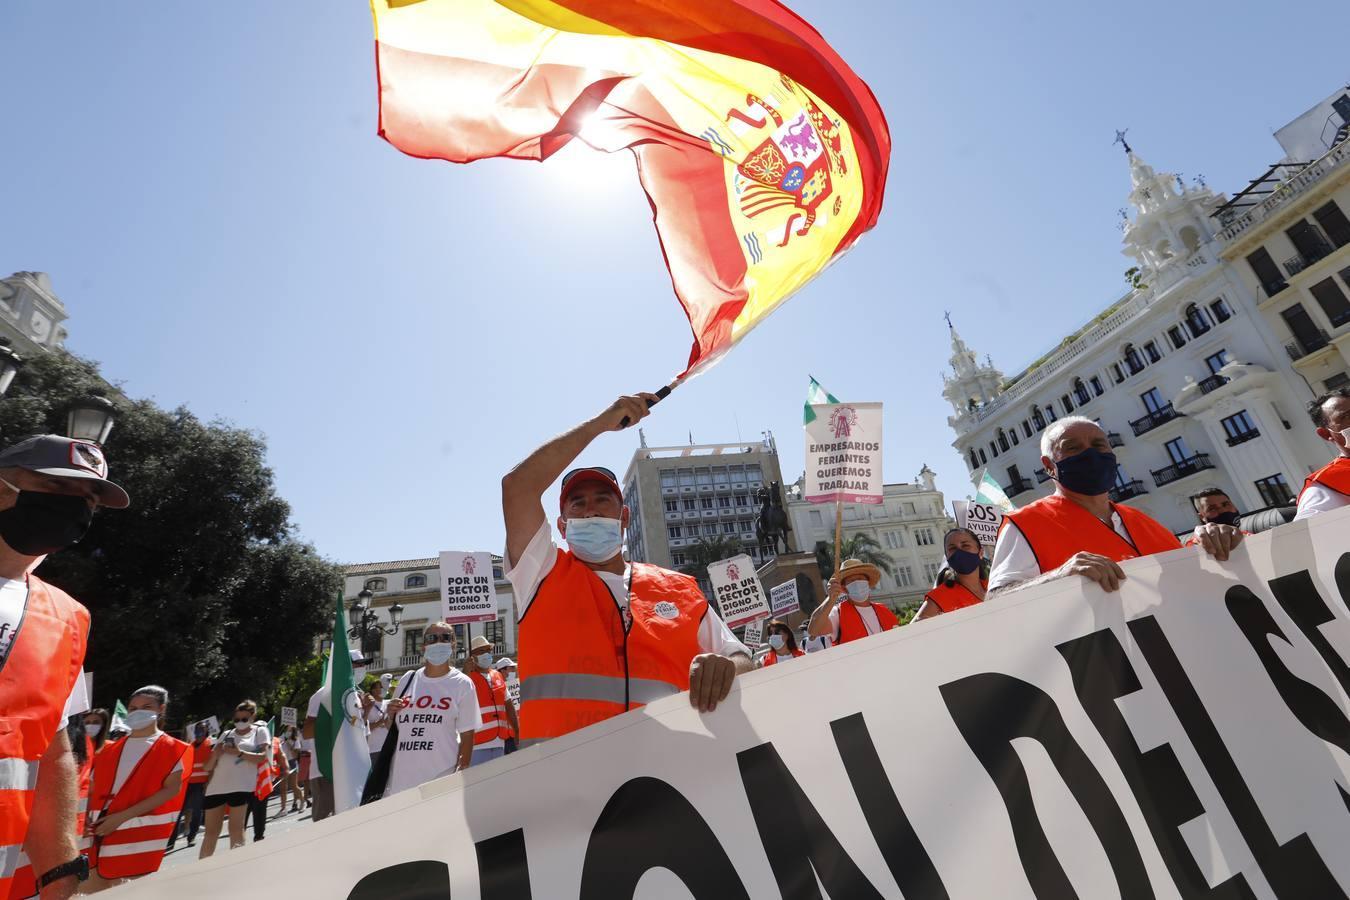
point(468, 591)
point(843, 453)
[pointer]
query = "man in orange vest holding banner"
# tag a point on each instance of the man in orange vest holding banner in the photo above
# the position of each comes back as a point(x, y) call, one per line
point(499, 714)
point(50, 487)
point(598, 636)
point(860, 616)
point(1077, 530)
point(139, 783)
point(1329, 487)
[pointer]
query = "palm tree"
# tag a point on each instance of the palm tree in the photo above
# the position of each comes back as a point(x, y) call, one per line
point(860, 546)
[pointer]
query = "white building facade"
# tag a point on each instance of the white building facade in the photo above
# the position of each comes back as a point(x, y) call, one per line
point(414, 584)
point(1184, 373)
point(908, 525)
point(31, 315)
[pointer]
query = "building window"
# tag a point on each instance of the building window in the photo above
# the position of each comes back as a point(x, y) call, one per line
point(1151, 351)
point(689, 504)
point(904, 576)
point(1133, 361)
point(899, 540)
point(1064, 402)
point(678, 559)
point(993, 448)
point(1153, 401)
point(1341, 379)
point(1026, 428)
point(984, 460)
point(923, 537)
point(1013, 434)
point(705, 503)
point(1221, 311)
point(668, 480)
point(1177, 450)
point(888, 538)
point(1050, 411)
point(724, 503)
point(1096, 386)
point(930, 570)
point(974, 460)
point(1003, 440)
point(1332, 300)
point(1334, 223)
point(414, 581)
point(412, 641)
point(1177, 337)
point(1239, 425)
point(1195, 320)
point(1116, 374)
point(1038, 417)
point(1080, 391)
point(908, 508)
point(730, 527)
point(742, 499)
point(674, 531)
point(376, 584)
point(672, 506)
point(1274, 490)
point(1216, 361)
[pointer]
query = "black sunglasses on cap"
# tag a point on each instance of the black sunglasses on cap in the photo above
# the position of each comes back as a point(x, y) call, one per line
point(601, 469)
point(438, 639)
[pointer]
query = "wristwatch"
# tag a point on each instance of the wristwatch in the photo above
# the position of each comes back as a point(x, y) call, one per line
point(79, 867)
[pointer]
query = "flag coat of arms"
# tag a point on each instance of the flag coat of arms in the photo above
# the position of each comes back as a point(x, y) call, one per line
point(340, 745)
point(763, 155)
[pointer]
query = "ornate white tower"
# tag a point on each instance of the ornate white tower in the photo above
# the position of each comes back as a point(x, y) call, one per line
point(1171, 220)
point(970, 385)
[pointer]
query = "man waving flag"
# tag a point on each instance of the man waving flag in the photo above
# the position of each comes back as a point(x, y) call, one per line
point(340, 728)
point(763, 155)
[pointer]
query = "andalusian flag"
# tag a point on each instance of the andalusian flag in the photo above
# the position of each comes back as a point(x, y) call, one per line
point(763, 155)
point(990, 491)
point(340, 729)
point(119, 717)
point(815, 395)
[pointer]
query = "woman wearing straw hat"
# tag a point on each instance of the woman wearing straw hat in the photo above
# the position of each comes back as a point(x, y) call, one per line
point(859, 616)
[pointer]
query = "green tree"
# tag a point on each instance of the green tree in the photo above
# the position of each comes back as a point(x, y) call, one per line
point(201, 585)
point(861, 546)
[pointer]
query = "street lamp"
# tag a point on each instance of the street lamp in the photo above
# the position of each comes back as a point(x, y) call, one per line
point(90, 419)
point(363, 619)
point(9, 366)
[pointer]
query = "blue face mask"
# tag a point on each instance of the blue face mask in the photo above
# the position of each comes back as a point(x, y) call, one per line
point(963, 562)
point(596, 539)
point(1090, 472)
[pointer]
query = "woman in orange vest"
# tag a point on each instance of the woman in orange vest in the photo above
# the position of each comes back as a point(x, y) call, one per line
point(962, 582)
point(138, 790)
point(782, 644)
point(857, 617)
point(499, 714)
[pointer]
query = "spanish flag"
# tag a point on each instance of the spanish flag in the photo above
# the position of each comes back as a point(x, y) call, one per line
point(763, 155)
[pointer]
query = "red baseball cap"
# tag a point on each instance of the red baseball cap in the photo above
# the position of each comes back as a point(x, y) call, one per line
point(590, 475)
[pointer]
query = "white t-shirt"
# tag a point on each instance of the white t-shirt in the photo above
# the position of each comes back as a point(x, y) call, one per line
point(537, 561)
point(1015, 562)
point(867, 613)
point(375, 739)
point(233, 774)
point(429, 728)
point(816, 644)
point(133, 750)
point(1318, 498)
point(13, 601)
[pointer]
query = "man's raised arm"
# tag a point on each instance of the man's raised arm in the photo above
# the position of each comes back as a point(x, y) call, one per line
point(524, 486)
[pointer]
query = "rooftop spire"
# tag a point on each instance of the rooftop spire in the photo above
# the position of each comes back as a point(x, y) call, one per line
point(1120, 139)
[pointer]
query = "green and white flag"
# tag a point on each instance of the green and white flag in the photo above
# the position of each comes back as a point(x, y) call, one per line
point(991, 492)
point(340, 729)
point(119, 716)
point(815, 395)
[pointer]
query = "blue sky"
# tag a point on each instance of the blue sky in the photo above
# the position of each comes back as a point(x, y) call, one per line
point(207, 191)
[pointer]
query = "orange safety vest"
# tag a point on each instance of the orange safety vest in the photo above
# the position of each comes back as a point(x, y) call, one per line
point(578, 666)
point(25, 879)
point(1334, 475)
point(201, 753)
point(1057, 528)
point(1192, 542)
point(491, 690)
point(949, 599)
point(46, 651)
point(267, 770)
point(137, 846)
point(851, 624)
point(772, 658)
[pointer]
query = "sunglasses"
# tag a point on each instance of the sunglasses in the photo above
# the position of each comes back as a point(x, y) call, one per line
point(575, 472)
point(438, 639)
point(242, 721)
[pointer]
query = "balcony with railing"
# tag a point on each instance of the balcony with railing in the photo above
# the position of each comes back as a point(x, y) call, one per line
point(1213, 383)
point(1114, 439)
point(1179, 470)
point(1123, 492)
point(1042, 476)
point(1160, 416)
point(1286, 193)
point(1300, 261)
point(1243, 437)
point(1301, 347)
point(1018, 486)
point(1273, 288)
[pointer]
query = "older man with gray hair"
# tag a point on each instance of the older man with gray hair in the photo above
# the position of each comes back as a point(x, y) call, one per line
point(1077, 530)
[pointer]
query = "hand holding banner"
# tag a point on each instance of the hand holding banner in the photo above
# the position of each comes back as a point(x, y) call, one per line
point(738, 591)
point(468, 593)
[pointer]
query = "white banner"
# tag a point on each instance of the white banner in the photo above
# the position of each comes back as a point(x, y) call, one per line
point(289, 715)
point(1185, 736)
point(843, 453)
point(468, 593)
point(754, 634)
point(783, 598)
point(984, 519)
point(739, 593)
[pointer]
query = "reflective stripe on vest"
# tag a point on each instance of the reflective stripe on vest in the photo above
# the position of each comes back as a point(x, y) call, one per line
point(490, 688)
point(46, 652)
point(137, 846)
point(577, 664)
point(1056, 528)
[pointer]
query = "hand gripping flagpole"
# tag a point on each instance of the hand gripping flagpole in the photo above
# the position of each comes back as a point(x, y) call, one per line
point(661, 394)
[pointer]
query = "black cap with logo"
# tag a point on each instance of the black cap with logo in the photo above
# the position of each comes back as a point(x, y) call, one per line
point(63, 457)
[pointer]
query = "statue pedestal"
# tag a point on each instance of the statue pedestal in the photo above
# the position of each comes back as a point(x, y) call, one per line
point(801, 567)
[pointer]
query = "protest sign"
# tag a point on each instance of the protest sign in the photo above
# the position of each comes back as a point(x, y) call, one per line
point(468, 593)
point(738, 592)
point(211, 726)
point(754, 634)
point(984, 519)
point(513, 687)
point(843, 453)
point(288, 715)
point(783, 598)
point(1179, 737)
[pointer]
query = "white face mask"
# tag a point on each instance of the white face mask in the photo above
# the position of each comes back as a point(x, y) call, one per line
point(438, 654)
point(484, 660)
point(93, 730)
point(359, 674)
point(141, 718)
point(241, 727)
point(777, 641)
point(594, 539)
point(858, 590)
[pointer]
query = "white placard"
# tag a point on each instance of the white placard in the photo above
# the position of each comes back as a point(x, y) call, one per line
point(289, 715)
point(754, 634)
point(513, 687)
point(1062, 741)
point(739, 594)
point(783, 599)
point(984, 519)
point(212, 726)
point(468, 592)
point(843, 453)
